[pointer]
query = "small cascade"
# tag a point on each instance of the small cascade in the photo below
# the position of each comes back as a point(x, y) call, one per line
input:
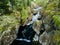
point(26, 33)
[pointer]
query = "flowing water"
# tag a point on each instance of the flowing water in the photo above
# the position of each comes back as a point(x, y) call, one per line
point(27, 33)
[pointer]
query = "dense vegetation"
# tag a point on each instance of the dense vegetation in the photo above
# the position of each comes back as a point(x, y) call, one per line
point(14, 12)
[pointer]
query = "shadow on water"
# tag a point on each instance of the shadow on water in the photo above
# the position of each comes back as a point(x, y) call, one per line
point(25, 35)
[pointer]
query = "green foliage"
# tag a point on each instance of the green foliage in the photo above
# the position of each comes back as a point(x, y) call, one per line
point(19, 12)
point(24, 13)
point(59, 5)
point(50, 9)
point(57, 20)
point(42, 3)
point(19, 4)
point(59, 43)
point(56, 36)
point(7, 22)
point(4, 5)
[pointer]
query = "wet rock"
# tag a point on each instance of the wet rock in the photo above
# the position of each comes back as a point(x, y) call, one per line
point(44, 38)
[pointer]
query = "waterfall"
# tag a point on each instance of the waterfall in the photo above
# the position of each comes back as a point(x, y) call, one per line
point(35, 17)
point(26, 33)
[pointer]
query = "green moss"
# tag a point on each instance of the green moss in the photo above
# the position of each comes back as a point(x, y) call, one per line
point(7, 22)
point(56, 36)
point(57, 20)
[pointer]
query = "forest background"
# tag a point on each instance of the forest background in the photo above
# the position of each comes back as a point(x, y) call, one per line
point(13, 11)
